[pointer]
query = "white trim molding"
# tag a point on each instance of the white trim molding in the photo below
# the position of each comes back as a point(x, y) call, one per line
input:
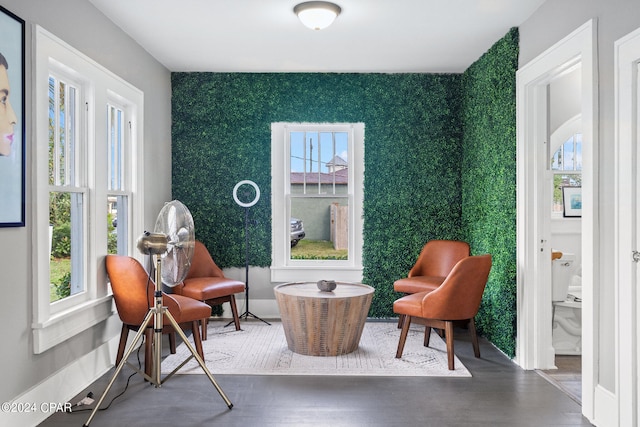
point(54, 323)
point(534, 348)
point(63, 385)
point(283, 268)
point(627, 231)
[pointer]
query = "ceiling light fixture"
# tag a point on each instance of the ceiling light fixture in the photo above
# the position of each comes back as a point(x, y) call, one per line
point(317, 14)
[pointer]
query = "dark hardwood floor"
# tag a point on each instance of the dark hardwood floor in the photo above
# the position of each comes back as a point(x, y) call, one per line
point(568, 376)
point(498, 394)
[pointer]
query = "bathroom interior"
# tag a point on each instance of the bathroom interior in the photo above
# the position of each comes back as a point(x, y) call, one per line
point(564, 170)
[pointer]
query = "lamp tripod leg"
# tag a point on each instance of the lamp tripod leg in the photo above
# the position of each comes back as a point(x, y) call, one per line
point(123, 362)
point(156, 314)
point(195, 354)
point(247, 313)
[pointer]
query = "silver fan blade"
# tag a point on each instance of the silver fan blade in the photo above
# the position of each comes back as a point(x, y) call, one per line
point(176, 222)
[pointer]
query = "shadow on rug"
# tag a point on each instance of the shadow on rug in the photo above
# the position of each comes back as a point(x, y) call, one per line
point(260, 349)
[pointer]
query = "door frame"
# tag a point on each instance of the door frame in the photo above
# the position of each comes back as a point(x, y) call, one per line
point(534, 348)
point(627, 197)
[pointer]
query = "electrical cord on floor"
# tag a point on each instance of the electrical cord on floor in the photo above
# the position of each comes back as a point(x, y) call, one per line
point(88, 400)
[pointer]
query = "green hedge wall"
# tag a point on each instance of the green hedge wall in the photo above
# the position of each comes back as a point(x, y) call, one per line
point(221, 135)
point(489, 182)
point(439, 164)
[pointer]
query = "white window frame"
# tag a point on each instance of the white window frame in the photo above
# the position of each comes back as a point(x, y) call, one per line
point(76, 185)
point(558, 137)
point(53, 324)
point(125, 190)
point(283, 268)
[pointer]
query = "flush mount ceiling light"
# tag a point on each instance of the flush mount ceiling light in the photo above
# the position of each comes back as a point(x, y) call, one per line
point(317, 14)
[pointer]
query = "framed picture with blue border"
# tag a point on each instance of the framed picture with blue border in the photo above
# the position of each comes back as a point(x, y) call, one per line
point(12, 120)
point(572, 201)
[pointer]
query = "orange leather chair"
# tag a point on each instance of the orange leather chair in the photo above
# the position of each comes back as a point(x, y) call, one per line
point(434, 263)
point(133, 294)
point(457, 298)
point(205, 282)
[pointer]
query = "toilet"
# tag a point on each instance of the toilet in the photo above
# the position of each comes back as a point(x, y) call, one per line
point(567, 304)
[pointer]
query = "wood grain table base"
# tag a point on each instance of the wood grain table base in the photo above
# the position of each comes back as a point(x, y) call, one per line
point(323, 323)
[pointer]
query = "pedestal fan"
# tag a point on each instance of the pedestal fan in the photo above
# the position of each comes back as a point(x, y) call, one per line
point(171, 246)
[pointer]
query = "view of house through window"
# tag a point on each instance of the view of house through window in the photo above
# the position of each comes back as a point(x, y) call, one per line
point(66, 194)
point(566, 165)
point(317, 182)
point(319, 195)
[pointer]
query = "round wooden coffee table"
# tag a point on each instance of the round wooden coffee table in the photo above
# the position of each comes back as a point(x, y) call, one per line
point(320, 323)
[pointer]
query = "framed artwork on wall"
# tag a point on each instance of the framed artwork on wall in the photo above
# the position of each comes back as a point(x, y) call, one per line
point(12, 126)
point(572, 201)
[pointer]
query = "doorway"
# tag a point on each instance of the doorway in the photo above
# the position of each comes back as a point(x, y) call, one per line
point(562, 177)
point(534, 348)
point(627, 228)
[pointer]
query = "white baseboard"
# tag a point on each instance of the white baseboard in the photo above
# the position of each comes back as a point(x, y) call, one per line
point(41, 401)
point(52, 394)
point(605, 408)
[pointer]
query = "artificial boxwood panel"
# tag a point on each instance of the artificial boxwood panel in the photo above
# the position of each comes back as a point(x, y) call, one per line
point(439, 164)
point(221, 135)
point(489, 182)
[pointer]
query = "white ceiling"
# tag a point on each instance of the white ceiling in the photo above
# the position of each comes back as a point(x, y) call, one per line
point(369, 35)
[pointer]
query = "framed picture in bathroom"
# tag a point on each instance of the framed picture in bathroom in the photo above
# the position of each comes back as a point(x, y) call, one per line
point(572, 201)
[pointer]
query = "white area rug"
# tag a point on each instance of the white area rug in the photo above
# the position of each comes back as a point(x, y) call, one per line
point(260, 349)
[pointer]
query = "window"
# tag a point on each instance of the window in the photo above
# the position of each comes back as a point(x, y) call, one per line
point(319, 194)
point(118, 193)
point(83, 115)
point(566, 166)
point(67, 192)
point(317, 184)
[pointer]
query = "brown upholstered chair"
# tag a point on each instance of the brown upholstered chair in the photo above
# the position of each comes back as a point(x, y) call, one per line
point(133, 292)
point(434, 263)
point(205, 282)
point(456, 299)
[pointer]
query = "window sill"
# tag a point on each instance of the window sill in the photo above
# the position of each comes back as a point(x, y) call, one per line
point(314, 273)
point(64, 325)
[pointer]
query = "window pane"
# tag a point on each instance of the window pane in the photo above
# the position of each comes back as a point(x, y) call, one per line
point(568, 158)
point(578, 151)
point(52, 130)
point(569, 154)
point(556, 160)
point(115, 147)
point(319, 162)
point(65, 240)
point(117, 204)
point(71, 132)
point(66, 214)
point(61, 137)
point(319, 189)
point(117, 225)
point(63, 133)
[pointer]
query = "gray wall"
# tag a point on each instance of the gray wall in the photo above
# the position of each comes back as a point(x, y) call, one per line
point(315, 213)
point(82, 26)
point(554, 20)
point(79, 24)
